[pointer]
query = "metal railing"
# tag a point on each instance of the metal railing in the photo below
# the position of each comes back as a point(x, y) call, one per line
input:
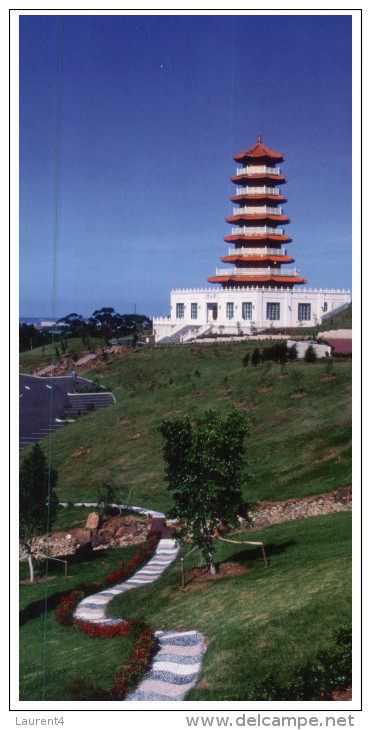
point(259, 210)
point(262, 190)
point(259, 231)
point(257, 251)
point(258, 170)
point(251, 271)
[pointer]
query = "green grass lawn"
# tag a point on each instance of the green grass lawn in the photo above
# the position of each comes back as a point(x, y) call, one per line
point(265, 620)
point(300, 442)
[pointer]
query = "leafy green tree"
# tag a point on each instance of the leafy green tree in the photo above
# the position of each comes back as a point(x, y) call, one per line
point(205, 473)
point(75, 322)
point(38, 501)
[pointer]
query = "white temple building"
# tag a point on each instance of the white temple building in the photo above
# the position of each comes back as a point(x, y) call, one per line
point(257, 292)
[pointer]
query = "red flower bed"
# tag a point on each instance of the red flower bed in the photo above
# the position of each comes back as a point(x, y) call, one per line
point(67, 605)
point(135, 666)
point(145, 641)
point(105, 631)
point(66, 608)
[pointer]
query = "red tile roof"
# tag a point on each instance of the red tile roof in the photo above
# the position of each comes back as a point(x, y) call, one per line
point(342, 346)
point(259, 150)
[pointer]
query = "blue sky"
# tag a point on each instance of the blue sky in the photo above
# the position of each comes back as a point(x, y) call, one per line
point(153, 108)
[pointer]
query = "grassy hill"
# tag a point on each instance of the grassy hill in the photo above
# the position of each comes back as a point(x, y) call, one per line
point(300, 422)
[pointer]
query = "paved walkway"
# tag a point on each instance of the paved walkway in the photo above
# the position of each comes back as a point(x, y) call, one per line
point(177, 664)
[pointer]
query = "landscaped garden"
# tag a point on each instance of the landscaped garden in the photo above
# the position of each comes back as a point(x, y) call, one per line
point(257, 621)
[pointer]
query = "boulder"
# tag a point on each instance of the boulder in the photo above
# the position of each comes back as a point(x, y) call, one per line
point(93, 521)
point(81, 536)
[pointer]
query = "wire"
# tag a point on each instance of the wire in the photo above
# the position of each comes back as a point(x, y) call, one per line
point(52, 356)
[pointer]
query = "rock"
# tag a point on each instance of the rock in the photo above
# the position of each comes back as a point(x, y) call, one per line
point(93, 521)
point(81, 536)
point(96, 540)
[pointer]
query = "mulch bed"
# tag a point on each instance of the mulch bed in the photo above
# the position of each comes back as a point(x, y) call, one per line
point(224, 570)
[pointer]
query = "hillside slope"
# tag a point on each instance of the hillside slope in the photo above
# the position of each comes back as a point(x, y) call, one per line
point(300, 423)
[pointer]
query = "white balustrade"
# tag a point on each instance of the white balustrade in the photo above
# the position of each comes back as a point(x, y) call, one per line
point(256, 272)
point(263, 190)
point(261, 231)
point(259, 210)
point(258, 170)
point(257, 251)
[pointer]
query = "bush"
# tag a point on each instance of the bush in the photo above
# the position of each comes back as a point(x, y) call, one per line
point(317, 679)
point(276, 353)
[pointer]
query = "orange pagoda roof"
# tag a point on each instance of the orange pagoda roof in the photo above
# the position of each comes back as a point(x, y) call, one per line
point(259, 151)
point(257, 279)
point(231, 258)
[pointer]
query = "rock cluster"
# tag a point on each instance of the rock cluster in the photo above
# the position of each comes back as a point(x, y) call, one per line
point(99, 533)
point(274, 513)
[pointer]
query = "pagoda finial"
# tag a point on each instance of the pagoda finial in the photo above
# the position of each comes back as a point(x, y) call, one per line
point(259, 138)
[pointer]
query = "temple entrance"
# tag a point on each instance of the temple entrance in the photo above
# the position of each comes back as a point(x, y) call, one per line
point(212, 312)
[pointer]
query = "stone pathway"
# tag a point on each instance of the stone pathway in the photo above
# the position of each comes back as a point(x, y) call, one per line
point(177, 664)
point(175, 668)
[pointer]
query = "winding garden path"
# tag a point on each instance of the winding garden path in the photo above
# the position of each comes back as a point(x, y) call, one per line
point(177, 664)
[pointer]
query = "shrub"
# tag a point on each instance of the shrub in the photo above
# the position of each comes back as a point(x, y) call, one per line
point(317, 679)
point(310, 354)
point(276, 353)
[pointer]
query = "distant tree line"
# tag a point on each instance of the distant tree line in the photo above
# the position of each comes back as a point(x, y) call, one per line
point(104, 323)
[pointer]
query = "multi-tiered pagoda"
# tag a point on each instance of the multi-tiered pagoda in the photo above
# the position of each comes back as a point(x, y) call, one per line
point(258, 292)
point(257, 238)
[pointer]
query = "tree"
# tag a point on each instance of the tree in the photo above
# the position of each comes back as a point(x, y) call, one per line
point(255, 358)
point(293, 353)
point(205, 472)
point(38, 502)
point(310, 354)
point(75, 322)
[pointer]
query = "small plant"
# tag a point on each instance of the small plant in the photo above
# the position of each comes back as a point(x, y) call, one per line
point(246, 359)
point(107, 495)
point(90, 407)
point(329, 368)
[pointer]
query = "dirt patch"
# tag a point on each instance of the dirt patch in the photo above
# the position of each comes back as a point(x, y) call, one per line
point(327, 378)
point(27, 581)
point(298, 395)
point(224, 570)
point(80, 452)
point(265, 389)
point(123, 421)
point(197, 394)
point(345, 696)
point(171, 413)
point(137, 435)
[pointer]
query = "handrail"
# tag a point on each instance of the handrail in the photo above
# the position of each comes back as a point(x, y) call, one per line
point(246, 542)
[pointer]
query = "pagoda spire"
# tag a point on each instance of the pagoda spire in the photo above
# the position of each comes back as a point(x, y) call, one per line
point(256, 238)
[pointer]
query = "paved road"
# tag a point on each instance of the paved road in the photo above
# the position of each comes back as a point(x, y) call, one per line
point(41, 401)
